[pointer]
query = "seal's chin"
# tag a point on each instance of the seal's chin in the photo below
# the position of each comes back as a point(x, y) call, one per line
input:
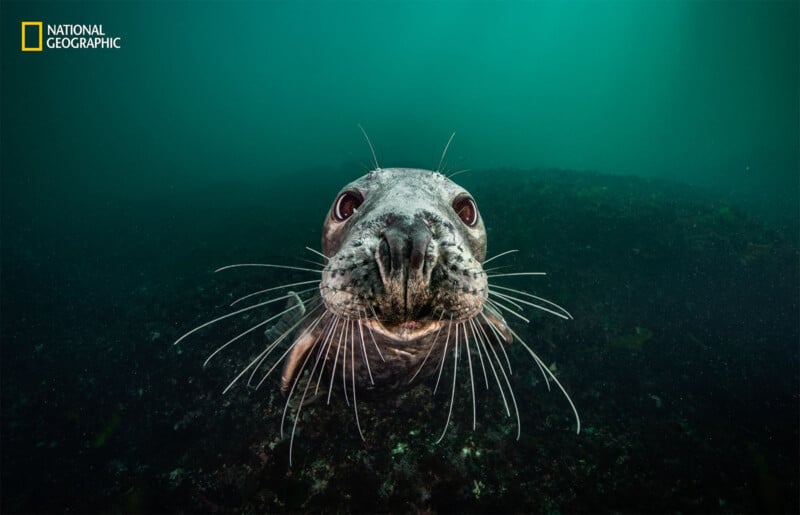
point(405, 331)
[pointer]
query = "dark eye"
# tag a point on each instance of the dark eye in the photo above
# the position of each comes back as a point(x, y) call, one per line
point(466, 210)
point(346, 205)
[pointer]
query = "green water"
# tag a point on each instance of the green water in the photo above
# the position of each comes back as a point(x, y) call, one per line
point(703, 92)
point(642, 153)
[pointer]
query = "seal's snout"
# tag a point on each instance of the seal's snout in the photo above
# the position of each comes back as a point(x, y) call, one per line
point(404, 257)
point(401, 252)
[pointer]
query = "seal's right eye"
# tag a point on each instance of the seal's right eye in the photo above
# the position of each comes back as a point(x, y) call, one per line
point(346, 205)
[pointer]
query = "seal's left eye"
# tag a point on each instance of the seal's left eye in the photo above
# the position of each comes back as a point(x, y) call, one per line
point(466, 210)
point(346, 205)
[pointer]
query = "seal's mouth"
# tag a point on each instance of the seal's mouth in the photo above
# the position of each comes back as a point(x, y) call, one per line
point(409, 330)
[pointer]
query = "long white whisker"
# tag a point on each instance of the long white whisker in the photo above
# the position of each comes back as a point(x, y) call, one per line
point(510, 390)
point(325, 349)
point(512, 300)
point(371, 149)
point(514, 274)
point(553, 377)
point(267, 265)
point(500, 255)
point(476, 337)
point(259, 292)
point(453, 393)
point(248, 331)
point(310, 262)
point(364, 351)
point(344, 362)
point(542, 366)
point(353, 377)
point(427, 354)
point(335, 361)
point(530, 295)
point(506, 299)
point(471, 378)
point(289, 398)
point(444, 354)
point(302, 401)
point(444, 153)
point(496, 304)
point(371, 335)
point(320, 254)
point(310, 328)
point(223, 317)
point(496, 377)
point(498, 334)
point(465, 170)
point(496, 268)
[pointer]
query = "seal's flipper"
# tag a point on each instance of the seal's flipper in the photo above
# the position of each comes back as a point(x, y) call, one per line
point(498, 325)
point(296, 358)
point(293, 312)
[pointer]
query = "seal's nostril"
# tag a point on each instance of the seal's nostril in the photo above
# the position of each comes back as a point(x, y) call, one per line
point(419, 246)
point(383, 256)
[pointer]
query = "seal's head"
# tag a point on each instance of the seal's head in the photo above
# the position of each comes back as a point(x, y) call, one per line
point(403, 287)
point(405, 247)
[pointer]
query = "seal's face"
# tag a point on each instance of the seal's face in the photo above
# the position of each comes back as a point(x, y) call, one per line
point(403, 289)
point(405, 248)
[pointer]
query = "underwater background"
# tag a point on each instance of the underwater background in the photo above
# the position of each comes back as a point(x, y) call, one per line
point(643, 154)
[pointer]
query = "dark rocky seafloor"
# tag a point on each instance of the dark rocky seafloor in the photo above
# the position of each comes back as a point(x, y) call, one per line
point(682, 360)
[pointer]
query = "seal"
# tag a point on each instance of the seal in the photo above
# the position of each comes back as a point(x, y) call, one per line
point(402, 290)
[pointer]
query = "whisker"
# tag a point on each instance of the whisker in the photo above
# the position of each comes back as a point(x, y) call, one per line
point(495, 268)
point(377, 348)
point(344, 362)
point(500, 255)
point(500, 339)
point(510, 391)
point(248, 331)
point(364, 351)
point(223, 317)
point(325, 349)
point(465, 170)
point(541, 299)
point(427, 354)
point(444, 153)
point(471, 378)
point(311, 262)
point(553, 377)
point(320, 254)
point(335, 361)
point(453, 393)
point(272, 346)
point(475, 337)
point(494, 303)
point(277, 341)
point(514, 300)
point(513, 274)
point(302, 400)
point(353, 376)
point(259, 292)
point(506, 299)
point(370, 147)
point(496, 377)
point(542, 366)
point(268, 265)
point(444, 354)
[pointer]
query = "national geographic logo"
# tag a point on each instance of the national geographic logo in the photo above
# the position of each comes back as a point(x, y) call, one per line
point(66, 36)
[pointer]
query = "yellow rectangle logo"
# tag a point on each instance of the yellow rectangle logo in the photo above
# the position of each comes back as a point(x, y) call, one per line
point(25, 47)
